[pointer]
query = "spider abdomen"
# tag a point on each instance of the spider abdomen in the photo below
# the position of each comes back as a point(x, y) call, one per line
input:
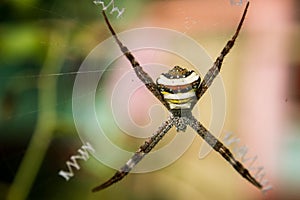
point(178, 87)
point(180, 100)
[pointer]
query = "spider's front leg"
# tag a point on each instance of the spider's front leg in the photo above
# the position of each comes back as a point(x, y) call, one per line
point(224, 151)
point(139, 155)
point(141, 74)
point(215, 69)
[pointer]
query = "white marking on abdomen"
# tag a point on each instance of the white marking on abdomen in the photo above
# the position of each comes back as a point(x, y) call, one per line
point(179, 96)
point(178, 81)
point(180, 106)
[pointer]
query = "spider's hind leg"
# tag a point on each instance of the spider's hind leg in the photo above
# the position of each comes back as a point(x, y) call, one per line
point(215, 69)
point(141, 74)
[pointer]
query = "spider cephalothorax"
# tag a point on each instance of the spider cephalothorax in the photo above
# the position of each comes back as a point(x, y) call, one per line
point(178, 90)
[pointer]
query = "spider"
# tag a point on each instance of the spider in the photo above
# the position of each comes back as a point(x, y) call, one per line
point(178, 90)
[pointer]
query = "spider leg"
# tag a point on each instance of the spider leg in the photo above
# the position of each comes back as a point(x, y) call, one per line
point(215, 69)
point(139, 155)
point(141, 74)
point(223, 150)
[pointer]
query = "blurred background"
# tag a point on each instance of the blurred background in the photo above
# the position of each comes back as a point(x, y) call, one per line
point(43, 44)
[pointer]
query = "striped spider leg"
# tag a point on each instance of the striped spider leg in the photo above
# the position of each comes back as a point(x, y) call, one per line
point(178, 90)
point(141, 74)
point(215, 69)
point(223, 150)
point(139, 154)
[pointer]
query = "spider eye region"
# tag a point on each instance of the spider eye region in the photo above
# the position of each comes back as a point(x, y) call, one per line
point(178, 87)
